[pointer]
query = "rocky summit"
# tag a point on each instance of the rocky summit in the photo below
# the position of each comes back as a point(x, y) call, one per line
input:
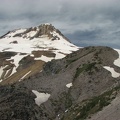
point(54, 82)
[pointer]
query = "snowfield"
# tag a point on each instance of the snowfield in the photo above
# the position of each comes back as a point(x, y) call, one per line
point(69, 85)
point(25, 75)
point(12, 33)
point(113, 72)
point(25, 45)
point(117, 61)
point(40, 97)
point(44, 58)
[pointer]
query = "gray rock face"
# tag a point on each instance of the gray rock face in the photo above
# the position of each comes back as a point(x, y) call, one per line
point(17, 104)
point(84, 70)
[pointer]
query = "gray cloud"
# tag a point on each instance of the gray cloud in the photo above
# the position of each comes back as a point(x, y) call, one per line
point(88, 22)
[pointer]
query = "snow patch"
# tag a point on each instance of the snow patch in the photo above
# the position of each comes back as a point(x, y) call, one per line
point(11, 34)
point(25, 75)
point(31, 55)
point(44, 58)
point(43, 43)
point(59, 55)
point(16, 59)
point(40, 97)
point(1, 80)
point(1, 71)
point(66, 110)
point(113, 72)
point(31, 34)
point(117, 61)
point(47, 24)
point(69, 85)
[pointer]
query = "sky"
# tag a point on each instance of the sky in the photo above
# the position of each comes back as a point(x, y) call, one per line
point(84, 22)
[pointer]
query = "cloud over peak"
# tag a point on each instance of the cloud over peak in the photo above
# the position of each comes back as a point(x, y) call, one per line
point(95, 22)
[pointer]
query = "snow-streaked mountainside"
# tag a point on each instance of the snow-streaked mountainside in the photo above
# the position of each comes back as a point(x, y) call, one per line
point(41, 43)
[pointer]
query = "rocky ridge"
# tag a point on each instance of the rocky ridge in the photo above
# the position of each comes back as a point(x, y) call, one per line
point(36, 32)
point(86, 88)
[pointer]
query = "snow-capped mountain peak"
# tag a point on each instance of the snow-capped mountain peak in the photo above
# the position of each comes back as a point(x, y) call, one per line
point(44, 36)
point(41, 43)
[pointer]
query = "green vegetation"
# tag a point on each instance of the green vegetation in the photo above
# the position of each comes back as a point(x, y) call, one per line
point(84, 68)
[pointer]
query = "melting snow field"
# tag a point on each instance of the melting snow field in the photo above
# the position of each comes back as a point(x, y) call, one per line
point(16, 59)
point(24, 45)
point(40, 97)
point(69, 85)
point(1, 72)
point(25, 75)
point(117, 61)
point(44, 58)
point(113, 72)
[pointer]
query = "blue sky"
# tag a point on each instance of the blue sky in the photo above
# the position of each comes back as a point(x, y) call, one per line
point(84, 22)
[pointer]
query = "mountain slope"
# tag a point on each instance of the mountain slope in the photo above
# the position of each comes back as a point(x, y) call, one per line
point(76, 87)
point(45, 77)
point(24, 51)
